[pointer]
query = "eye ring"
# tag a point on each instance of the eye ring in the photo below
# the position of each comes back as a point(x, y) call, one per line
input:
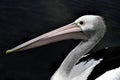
point(81, 22)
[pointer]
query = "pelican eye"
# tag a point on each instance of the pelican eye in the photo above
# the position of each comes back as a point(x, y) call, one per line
point(81, 23)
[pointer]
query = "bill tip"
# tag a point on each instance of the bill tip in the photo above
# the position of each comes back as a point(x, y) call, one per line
point(8, 51)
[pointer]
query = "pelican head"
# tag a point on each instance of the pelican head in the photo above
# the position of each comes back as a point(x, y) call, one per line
point(91, 24)
point(83, 28)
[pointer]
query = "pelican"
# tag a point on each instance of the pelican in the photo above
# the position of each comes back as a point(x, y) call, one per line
point(90, 29)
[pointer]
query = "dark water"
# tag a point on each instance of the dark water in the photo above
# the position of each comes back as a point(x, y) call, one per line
point(21, 20)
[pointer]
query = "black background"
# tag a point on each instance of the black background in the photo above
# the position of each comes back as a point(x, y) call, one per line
point(21, 20)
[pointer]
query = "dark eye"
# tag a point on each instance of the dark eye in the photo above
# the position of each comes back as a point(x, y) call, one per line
point(81, 22)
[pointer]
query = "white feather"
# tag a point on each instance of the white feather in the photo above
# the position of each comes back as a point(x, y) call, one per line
point(83, 70)
point(113, 74)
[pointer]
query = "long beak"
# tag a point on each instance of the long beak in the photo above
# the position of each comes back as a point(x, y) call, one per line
point(70, 31)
